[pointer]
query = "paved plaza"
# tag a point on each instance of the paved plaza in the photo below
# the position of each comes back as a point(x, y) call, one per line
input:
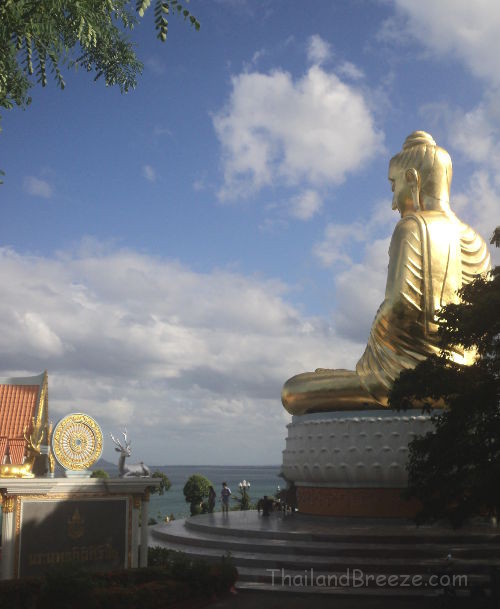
point(289, 560)
point(268, 600)
point(302, 527)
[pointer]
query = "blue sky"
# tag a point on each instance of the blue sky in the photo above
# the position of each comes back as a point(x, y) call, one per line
point(173, 255)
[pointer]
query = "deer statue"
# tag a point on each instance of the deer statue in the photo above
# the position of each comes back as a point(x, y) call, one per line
point(133, 469)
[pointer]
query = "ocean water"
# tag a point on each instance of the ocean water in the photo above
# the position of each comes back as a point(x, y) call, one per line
point(263, 481)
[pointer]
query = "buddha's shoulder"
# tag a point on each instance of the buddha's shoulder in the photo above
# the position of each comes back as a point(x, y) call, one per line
point(407, 232)
point(411, 224)
point(419, 220)
point(413, 228)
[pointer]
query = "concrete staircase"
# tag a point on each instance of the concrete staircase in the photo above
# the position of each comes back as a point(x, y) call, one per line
point(342, 557)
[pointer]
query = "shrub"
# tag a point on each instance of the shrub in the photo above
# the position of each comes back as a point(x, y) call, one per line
point(19, 594)
point(158, 556)
point(195, 491)
point(201, 576)
point(66, 586)
point(224, 574)
point(99, 473)
point(173, 578)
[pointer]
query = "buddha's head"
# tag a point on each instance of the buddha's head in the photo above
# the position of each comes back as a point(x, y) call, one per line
point(421, 175)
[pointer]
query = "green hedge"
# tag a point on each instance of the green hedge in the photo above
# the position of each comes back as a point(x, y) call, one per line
point(202, 577)
point(171, 578)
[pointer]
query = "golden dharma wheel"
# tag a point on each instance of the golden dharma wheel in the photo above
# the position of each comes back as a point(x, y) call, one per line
point(77, 441)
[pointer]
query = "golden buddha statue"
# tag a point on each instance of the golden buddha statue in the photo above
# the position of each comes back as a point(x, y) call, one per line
point(431, 255)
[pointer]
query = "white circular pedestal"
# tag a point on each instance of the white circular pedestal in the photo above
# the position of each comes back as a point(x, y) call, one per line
point(351, 463)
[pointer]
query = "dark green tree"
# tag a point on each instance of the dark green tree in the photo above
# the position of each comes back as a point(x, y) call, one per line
point(37, 37)
point(454, 471)
point(165, 483)
point(40, 36)
point(196, 491)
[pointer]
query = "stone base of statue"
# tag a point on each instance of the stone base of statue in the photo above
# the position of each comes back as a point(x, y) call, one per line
point(352, 463)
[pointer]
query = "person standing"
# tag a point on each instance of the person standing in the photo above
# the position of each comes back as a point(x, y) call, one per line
point(225, 494)
point(211, 499)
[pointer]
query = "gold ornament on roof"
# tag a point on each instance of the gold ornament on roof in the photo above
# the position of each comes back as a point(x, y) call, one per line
point(432, 255)
point(33, 442)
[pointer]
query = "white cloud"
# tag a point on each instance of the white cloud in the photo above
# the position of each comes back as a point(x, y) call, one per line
point(359, 286)
point(36, 187)
point(39, 335)
point(340, 243)
point(185, 359)
point(159, 131)
point(349, 70)
point(479, 205)
point(468, 32)
point(149, 173)
point(468, 131)
point(156, 65)
point(121, 411)
point(333, 248)
point(475, 134)
point(256, 57)
point(393, 30)
point(318, 50)
point(200, 184)
point(306, 204)
point(360, 289)
point(457, 28)
point(275, 130)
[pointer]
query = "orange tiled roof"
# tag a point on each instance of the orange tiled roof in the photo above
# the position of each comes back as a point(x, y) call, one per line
point(17, 406)
point(19, 403)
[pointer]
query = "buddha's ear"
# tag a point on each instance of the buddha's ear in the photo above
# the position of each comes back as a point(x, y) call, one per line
point(413, 179)
point(412, 176)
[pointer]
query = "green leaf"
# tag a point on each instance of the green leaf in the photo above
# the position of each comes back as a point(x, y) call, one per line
point(76, 33)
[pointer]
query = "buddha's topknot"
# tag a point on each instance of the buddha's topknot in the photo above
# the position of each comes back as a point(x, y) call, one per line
point(418, 138)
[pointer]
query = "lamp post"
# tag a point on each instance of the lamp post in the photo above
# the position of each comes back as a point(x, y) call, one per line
point(245, 502)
